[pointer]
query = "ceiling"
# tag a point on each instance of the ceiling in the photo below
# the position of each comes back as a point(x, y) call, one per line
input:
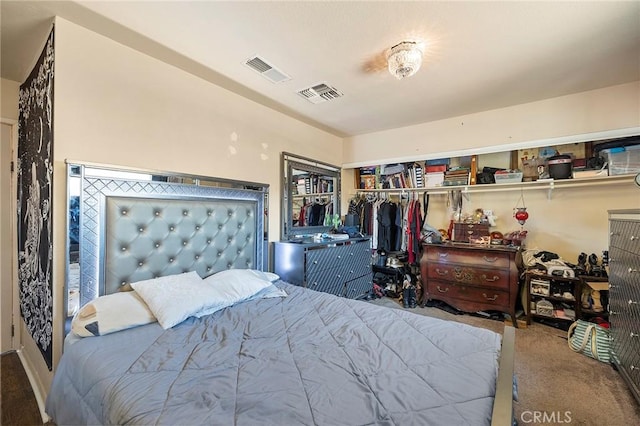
point(479, 55)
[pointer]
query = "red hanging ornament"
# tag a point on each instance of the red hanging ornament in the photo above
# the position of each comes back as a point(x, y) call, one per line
point(520, 213)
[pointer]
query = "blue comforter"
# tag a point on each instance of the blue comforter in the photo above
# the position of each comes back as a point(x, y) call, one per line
point(307, 359)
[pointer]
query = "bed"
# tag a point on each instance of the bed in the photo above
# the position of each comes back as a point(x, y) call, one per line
point(274, 354)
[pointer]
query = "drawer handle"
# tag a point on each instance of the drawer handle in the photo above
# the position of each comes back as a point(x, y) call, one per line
point(443, 254)
point(315, 262)
point(631, 270)
point(495, 296)
point(440, 272)
point(470, 226)
point(495, 278)
point(632, 302)
point(614, 234)
point(441, 290)
point(613, 313)
point(632, 334)
point(633, 237)
point(489, 259)
point(350, 254)
point(339, 257)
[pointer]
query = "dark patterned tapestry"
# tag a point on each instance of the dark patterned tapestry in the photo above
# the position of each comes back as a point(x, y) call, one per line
point(35, 173)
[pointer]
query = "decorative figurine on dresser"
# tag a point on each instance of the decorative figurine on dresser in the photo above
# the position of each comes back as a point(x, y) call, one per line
point(472, 277)
point(624, 294)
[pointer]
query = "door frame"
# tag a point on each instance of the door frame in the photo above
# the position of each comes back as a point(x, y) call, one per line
point(11, 341)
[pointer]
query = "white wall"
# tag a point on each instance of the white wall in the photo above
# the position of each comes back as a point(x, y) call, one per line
point(615, 107)
point(114, 105)
point(9, 91)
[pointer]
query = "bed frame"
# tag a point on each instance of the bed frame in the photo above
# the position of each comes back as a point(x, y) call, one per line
point(133, 230)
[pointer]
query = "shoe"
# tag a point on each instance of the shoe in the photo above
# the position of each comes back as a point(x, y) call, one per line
point(582, 260)
point(581, 268)
point(594, 270)
point(406, 298)
point(412, 297)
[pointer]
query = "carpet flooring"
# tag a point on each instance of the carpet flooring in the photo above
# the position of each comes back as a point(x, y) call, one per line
point(555, 384)
point(17, 401)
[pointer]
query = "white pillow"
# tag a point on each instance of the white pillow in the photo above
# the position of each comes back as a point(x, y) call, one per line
point(267, 276)
point(268, 292)
point(114, 312)
point(236, 285)
point(174, 298)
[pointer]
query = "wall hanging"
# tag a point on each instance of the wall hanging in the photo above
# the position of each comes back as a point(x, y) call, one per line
point(35, 179)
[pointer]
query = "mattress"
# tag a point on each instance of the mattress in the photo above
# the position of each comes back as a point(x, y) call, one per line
point(307, 359)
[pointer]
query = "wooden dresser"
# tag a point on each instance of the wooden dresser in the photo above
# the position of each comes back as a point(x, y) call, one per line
point(471, 278)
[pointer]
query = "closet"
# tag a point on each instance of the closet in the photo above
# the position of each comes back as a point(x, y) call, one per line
point(392, 220)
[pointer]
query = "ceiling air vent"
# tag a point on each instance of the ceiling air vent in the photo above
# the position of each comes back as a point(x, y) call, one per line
point(319, 93)
point(266, 70)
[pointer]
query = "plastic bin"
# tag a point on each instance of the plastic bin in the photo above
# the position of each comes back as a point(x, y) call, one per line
point(624, 162)
point(512, 177)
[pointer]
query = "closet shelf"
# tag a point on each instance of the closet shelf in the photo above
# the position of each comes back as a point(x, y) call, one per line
point(315, 194)
point(549, 185)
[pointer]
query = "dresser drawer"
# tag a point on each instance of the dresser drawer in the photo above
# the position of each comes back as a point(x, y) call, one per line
point(462, 231)
point(494, 278)
point(357, 259)
point(486, 296)
point(359, 287)
point(625, 234)
point(319, 259)
point(627, 351)
point(479, 258)
point(624, 269)
point(327, 281)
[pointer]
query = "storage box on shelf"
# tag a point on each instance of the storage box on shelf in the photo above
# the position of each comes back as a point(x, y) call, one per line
point(552, 299)
point(508, 177)
point(595, 297)
point(624, 162)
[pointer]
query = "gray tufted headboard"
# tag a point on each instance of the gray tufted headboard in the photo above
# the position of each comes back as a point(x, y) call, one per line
point(135, 230)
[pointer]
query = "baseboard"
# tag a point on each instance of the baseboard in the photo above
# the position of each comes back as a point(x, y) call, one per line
point(36, 385)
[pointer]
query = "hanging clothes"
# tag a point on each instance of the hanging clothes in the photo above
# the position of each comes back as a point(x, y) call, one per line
point(413, 232)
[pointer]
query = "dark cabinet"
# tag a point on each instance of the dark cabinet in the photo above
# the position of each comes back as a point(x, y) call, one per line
point(624, 294)
point(341, 267)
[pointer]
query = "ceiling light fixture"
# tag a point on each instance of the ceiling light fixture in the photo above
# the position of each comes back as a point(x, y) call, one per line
point(404, 59)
